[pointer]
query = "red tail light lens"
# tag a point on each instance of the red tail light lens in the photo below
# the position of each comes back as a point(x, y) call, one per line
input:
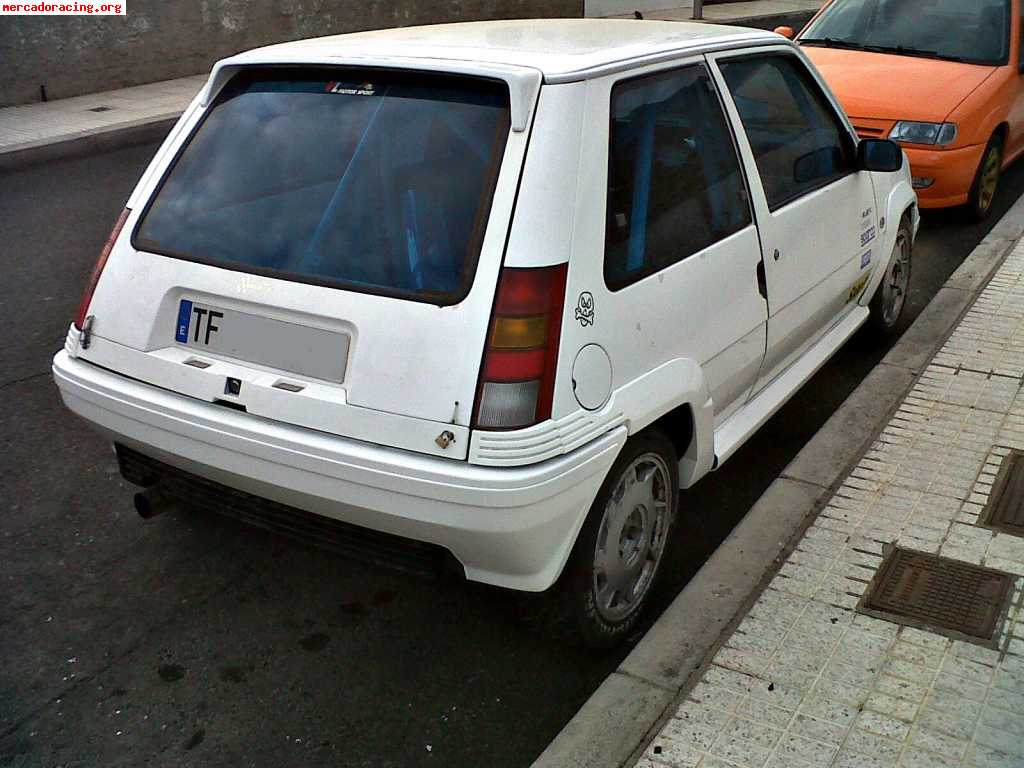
point(101, 262)
point(517, 379)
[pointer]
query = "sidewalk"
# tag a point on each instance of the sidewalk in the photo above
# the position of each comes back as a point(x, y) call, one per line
point(34, 126)
point(807, 679)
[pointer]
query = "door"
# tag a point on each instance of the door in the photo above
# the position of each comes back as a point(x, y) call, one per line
point(815, 211)
point(680, 251)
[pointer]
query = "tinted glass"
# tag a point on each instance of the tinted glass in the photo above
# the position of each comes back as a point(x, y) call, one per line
point(674, 181)
point(975, 31)
point(798, 142)
point(367, 180)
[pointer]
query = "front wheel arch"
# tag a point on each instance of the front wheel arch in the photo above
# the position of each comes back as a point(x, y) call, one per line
point(896, 276)
point(985, 186)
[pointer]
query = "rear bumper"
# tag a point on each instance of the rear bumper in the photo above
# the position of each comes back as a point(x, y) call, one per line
point(953, 171)
point(512, 527)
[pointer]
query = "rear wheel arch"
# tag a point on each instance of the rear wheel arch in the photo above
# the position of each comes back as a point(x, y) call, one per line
point(674, 399)
point(679, 427)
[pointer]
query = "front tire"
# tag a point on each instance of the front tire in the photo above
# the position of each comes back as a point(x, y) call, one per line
point(986, 181)
point(890, 297)
point(618, 555)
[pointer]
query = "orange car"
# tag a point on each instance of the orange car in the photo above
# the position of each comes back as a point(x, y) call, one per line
point(941, 77)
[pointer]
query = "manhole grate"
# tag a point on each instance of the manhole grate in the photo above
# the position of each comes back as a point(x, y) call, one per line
point(956, 599)
point(1005, 509)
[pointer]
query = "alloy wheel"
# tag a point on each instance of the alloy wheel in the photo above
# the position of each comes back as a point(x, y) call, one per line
point(631, 538)
point(989, 180)
point(896, 282)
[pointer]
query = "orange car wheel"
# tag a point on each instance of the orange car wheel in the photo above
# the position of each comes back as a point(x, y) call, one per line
point(986, 182)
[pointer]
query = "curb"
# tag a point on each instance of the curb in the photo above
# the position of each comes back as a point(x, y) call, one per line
point(79, 144)
point(613, 727)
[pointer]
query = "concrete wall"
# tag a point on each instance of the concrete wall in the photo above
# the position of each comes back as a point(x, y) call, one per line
point(598, 8)
point(163, 39)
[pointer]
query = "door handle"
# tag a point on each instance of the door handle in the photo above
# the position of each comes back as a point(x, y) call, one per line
point(777, 255)
point(762, 283)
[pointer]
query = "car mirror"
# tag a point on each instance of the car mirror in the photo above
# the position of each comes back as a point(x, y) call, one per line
point(879, 155)
point(786, 32)
point(817, 164)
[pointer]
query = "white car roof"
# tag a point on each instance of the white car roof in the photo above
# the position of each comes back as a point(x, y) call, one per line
point(523, 53)
point(561, 49)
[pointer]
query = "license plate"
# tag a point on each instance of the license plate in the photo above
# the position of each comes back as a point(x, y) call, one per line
point(286, 346)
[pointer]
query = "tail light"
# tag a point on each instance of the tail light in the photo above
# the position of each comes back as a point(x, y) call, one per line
point(101, 262)
point(517, 379)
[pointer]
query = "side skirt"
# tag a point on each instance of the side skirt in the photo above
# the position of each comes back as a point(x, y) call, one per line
point(741, 425)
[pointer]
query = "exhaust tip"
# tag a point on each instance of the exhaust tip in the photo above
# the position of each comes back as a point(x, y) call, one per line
point(152, 502)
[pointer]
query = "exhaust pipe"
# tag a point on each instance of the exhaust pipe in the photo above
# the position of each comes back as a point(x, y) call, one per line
point(153, 501)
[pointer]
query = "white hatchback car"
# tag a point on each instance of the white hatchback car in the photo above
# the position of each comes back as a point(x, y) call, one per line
point(493, 291)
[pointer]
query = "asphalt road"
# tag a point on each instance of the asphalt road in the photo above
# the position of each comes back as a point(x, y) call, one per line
point(191, 640)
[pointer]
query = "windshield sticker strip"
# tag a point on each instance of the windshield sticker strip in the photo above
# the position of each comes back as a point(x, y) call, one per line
point(347, 89)
point(184, 319)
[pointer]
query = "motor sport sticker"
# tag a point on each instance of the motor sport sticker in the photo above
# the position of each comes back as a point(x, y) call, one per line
point(867, 229)
point(348, 89)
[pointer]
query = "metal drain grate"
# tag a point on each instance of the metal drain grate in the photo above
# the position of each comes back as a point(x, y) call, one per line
point(955, 599)
point(1005, 509)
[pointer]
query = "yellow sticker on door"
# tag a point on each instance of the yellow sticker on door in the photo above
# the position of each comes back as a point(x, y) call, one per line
point(858, 288)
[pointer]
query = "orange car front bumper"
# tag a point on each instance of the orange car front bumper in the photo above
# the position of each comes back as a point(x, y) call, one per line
point(952, 169)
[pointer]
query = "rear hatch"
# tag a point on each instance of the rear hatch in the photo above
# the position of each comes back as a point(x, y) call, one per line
point(322, 250)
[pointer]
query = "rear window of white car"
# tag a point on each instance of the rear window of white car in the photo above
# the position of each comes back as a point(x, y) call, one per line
point(371, 180)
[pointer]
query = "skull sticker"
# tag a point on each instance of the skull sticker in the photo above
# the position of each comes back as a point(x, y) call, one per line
point(585, 309)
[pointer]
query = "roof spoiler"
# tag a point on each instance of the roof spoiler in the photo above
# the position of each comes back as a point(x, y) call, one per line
point(523, 82)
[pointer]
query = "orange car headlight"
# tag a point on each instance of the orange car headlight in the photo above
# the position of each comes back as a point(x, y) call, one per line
point(910, 132)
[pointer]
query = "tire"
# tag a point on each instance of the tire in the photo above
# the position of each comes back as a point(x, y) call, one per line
point(608, 586)
point(890, 297)
point(986, 181)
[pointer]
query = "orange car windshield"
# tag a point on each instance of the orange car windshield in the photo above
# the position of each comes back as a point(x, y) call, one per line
point(918, 28)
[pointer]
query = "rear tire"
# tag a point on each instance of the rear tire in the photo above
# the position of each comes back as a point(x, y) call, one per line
point(890, 297)
point(618, 554)
point(986, 181)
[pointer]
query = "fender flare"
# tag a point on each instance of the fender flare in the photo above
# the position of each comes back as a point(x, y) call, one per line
point(675, 383)
point(900, 198)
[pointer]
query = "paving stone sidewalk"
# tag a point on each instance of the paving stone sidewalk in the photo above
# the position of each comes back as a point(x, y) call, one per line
point(33, 125)
point(806, 680)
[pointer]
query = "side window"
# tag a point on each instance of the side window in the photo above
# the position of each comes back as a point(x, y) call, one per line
point(674, 180)
point(798, 142)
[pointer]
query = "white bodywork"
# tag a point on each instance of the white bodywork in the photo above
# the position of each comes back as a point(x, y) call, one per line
point(696, 336)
